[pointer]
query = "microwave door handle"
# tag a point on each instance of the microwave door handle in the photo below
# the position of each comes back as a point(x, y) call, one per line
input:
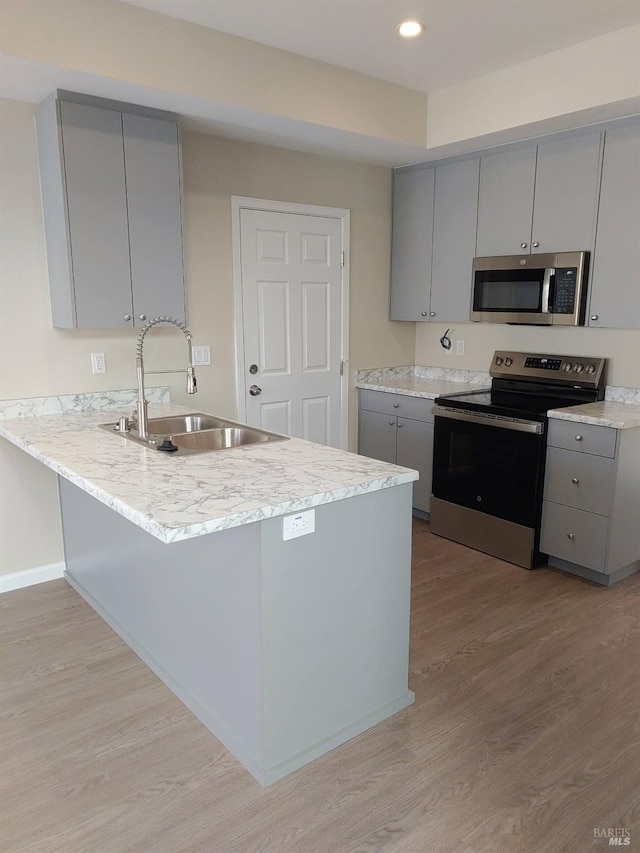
point(548, 290)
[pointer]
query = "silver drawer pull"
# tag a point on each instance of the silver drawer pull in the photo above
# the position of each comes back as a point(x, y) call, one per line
point(392, 423)
point(396, 405)
point(400, 426)
point(575, 481)
point(571, 536)
point(578, 438)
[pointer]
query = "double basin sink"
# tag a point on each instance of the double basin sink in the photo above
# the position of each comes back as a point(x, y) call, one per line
point(182, 435)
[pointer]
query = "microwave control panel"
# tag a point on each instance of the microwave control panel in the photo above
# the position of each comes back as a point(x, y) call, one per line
point(564, 300)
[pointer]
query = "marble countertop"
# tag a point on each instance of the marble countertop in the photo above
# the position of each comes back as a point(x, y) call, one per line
point(188, 496)
point(416, 387)
point(604, 413)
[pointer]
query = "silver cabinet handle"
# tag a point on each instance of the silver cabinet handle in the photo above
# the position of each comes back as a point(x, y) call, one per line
point(575, 481)
point(143, 317)
point(400, 426)
point(523, 245)
point(578, 438)
point(432, 313)
point(392, 423)
point(396, 405)
point(535, 245)
point(571, 536)
point(255, 390)
point(127, 317)
point(424, 313)
point(594, 317)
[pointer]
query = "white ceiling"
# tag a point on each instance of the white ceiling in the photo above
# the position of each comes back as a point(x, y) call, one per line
point(463, 38)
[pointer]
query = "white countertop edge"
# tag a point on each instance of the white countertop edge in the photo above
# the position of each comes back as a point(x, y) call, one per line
point(621, 421)
point(169, 534)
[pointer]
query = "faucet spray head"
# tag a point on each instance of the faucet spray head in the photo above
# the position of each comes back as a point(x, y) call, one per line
point(192, 385)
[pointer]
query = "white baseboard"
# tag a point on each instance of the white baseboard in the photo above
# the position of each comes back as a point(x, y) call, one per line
point(29, 577)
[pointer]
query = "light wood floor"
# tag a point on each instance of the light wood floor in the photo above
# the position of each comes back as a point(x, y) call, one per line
point(525, 735)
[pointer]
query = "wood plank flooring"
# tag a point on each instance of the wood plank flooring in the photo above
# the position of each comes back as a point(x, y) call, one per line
point(525, 734)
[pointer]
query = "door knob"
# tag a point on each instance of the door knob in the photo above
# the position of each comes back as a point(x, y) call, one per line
point(255, 390)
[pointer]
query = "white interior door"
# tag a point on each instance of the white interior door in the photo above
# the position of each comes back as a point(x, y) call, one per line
point(293, 323)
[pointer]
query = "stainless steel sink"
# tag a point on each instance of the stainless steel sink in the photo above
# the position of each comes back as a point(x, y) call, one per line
point(219, 439)
point(195, 433)
point(193, 422)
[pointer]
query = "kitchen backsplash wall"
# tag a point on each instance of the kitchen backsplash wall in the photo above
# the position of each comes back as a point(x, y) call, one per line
point(620, 346)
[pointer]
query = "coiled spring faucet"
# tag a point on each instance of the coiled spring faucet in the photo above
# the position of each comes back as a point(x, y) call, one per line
point(141, 408)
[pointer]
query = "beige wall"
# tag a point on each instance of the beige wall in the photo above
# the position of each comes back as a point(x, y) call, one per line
point(37, 360)
point(598, 72)
point(620, 347)
point(124, 43)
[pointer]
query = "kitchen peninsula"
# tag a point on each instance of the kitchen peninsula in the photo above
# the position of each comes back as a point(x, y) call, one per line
point(283, 649)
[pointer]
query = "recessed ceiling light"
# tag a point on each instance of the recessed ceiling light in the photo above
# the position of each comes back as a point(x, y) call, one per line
point(410, 29)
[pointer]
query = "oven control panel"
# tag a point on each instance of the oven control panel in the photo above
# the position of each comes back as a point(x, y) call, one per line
point(587, 371)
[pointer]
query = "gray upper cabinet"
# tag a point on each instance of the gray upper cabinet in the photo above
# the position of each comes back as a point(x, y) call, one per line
point(505, 202)
point(411, 244)
point(615, 277)
point(539, 198)
point(566, 195)
point(454, 239)
point(433, 242)
point(155, 222)
point(112, 212)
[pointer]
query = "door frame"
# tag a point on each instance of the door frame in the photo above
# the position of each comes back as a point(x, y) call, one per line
point(239, 203)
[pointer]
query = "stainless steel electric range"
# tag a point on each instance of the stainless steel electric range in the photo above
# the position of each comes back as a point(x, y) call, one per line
point(490, 448)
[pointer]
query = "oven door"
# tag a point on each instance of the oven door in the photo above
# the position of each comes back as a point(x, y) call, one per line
point(489, 463)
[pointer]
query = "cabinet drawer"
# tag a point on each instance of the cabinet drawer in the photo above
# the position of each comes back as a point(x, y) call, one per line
point(585, 438)
point(417, 408)
point(574, 535)
point(579, 480)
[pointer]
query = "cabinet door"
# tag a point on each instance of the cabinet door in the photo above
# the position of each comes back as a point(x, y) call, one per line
point(152, 164)
point(615, 288)
point(566, 195)
point(505, 202)
point(454, 240)
point(412, 234)
point(415, 450)
point(377, 436)
point(97, 215)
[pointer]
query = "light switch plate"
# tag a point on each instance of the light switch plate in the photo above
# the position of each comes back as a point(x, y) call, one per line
point(201, 356)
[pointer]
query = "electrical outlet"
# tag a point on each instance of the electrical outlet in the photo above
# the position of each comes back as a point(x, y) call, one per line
point(98, 362)
point(201, 356)
point(459, 347)
point(299, 524)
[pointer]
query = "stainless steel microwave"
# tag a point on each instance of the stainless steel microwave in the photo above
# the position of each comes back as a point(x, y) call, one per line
point(540, 290)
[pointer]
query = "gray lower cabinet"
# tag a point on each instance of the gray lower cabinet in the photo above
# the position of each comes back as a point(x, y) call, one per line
point(615, 276)
point(111, 193)
point(399, 429)
point(591, 504)
point(433, 242)
point(540, 198)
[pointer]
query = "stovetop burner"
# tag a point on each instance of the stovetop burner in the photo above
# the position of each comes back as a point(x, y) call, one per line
point(528, 385)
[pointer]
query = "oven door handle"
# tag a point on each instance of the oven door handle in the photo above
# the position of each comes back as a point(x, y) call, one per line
point(501, 421)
